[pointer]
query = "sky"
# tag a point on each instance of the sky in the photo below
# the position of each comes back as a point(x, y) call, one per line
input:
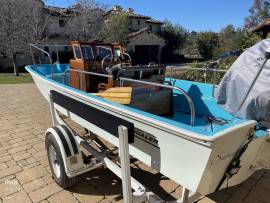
point(194, 15)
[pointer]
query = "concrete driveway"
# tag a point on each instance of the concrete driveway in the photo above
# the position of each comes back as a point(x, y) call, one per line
point(25, 174)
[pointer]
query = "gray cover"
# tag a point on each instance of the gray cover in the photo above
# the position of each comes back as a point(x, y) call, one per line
point(236, 82)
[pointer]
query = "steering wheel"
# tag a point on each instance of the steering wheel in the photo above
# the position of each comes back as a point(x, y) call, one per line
point(103, 60)
point(128, 63)
point(152, 63)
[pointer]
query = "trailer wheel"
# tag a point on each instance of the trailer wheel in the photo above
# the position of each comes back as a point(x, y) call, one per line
point(57, 164)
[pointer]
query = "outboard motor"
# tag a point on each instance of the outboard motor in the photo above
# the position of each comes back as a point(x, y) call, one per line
point(245, 89)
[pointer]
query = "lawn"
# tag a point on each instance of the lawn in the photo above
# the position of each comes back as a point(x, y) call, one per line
point(10, 78)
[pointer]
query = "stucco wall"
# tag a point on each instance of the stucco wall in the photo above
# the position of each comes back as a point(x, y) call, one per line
point(135, 26)
point(156, 28)
point(53, 28)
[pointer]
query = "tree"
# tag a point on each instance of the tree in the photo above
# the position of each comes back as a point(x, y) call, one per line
point(116, 28)
point(230, 38)
point(259, 11)
point(175, 36)
point(190, 47)
point(21, 23)
point(207, 42)
point(248, 40)
point(87, 21)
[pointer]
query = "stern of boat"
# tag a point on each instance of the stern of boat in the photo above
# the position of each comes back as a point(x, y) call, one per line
point(224, 150)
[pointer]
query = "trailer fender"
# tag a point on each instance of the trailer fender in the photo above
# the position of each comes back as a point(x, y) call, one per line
point(70, 151)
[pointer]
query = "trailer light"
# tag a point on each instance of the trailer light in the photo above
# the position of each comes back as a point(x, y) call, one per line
point(73, 160)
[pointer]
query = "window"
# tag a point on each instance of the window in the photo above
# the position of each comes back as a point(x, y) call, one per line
point(102, 51)
point(77, 51)
point(87, 52)
point(139, 22)
point(61, 23)
point(150, 27)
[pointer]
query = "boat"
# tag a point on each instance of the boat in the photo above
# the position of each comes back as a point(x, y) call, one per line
point(174, 126)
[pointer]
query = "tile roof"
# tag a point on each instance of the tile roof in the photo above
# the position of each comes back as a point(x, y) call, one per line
point(130, 12)
point(57, 11)
point(136, 15)
point(154, 21)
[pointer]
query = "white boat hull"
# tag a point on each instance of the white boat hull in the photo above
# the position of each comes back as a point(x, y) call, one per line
point(196, 164)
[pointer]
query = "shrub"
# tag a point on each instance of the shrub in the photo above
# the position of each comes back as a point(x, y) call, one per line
point(205, 76)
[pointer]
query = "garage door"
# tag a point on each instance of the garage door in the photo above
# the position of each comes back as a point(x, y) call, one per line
point(144, 54)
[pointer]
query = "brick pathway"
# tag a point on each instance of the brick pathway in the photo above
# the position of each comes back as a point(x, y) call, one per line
point(25, 175)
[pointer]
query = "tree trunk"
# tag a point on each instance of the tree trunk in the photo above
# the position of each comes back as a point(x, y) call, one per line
point(15, 65)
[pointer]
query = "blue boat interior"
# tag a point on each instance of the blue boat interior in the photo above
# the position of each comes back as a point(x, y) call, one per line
point(210, 117)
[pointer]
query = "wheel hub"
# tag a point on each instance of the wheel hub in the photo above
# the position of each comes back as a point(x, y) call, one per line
point(54, 160)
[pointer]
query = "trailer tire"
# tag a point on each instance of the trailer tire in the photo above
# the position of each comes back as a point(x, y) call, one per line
point(56, 163)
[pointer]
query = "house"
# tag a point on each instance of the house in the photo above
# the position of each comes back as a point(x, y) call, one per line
point(144, 45)
point(145, 41)
point(56, 29)
point(262, 29)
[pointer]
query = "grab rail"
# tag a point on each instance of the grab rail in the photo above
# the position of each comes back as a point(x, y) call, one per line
point(215, 70)
point(201, 69)
point(85, 72)
point(103, 60)
point(205, 70)
point(45, 52)
point(188, 98)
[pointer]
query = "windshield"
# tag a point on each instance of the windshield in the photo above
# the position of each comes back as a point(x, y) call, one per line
point(102, 51)
point(87, 52)
point(117, 52)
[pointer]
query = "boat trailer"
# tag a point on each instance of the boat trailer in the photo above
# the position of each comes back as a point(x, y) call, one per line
point(75, 165)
